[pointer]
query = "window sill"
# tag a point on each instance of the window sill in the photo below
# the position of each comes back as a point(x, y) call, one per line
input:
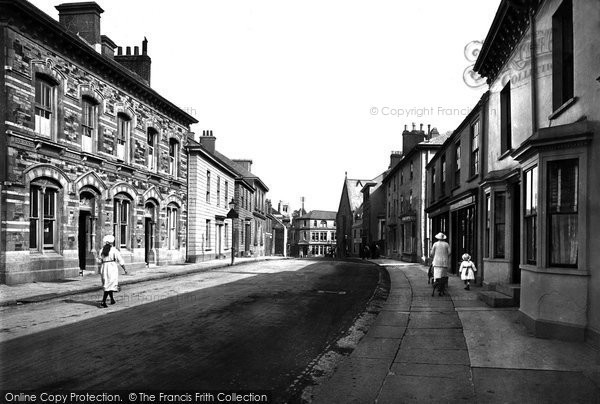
point(555, 270)
point(567, 104)
point(505, 154)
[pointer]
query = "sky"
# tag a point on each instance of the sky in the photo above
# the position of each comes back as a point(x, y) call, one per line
point(311, 90)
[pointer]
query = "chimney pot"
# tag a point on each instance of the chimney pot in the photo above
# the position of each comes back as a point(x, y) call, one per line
point(421, 128)
point(414, 126)
point(119, 50)
point(145, 46)
point(128, 51)
point(136, 50)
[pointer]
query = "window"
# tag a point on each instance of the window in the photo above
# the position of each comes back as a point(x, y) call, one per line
point(488, 212)
point(410, 200)
point(332, 236)
point(323, 223)
point(208, 235)
point(562, 54)
point(401, 177)
point(173, 239)
point(475, 148)
point(218, 191)
point(207, 186)
point(411, 171)
point(151, 159)
point(457, 164)
point(499, 224)
point(443, 174)
point(89, 123)
point(45, 107)
point(226, 193)
point(121, 220)
point(505, 120)
point(563, 179)
point(43, 232)
point(123, 131)
point(173, 157)
point(432, 183)
point(402, 204)
point(315, 223)
point(313, 236)
point(531, 191)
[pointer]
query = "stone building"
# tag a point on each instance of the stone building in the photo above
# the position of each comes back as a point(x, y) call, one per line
point(408, 235)
point(315, 234)
point(453, 177)
point(373, 209)
point(211, 182)
point(88, 149)
point(350, 200)
point(542, 153)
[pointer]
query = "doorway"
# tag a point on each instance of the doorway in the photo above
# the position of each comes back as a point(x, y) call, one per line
point(516, 233)
point(219, 240)
point(149, 233)
point(248, 237)
point(84, 237)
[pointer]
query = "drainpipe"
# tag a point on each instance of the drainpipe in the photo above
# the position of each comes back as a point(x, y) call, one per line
point(533, 72)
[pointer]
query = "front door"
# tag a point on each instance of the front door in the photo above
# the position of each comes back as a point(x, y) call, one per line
point(84, 237)
point(248, 236)
point(149, 240)
point(516, 234)
point(219, 240)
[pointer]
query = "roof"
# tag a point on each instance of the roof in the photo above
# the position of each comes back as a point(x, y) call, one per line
point(51, 28)
point(241, 171)
point(320, 214)
point(375, 183)
point(353, 187)
point(507, 29)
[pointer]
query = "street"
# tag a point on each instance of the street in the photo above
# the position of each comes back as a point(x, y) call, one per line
point(252, 327)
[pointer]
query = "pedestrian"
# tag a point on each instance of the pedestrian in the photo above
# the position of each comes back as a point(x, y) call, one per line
point(366, 252)
point(109, 271)
point(467, 270)
point(440, 251)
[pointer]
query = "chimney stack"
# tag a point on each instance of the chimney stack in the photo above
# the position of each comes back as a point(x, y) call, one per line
point(245, 163)
point(108, 47)
point(207, 141)
point(139, 64)
point(82, 19)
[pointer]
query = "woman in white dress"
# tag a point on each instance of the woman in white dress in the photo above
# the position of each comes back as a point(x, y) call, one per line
point(440, 251)
point(109, 270)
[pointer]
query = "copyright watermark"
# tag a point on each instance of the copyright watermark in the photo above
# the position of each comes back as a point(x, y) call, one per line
point(419, 112)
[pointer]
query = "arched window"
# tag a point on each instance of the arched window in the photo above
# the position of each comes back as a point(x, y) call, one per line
point(323, 223)
point(173, 157)
point(45, 106)
point(152, 149)
point(172, 227)
point(123, 133)
point(89, 123)
point(43, 215)
point(122, 220)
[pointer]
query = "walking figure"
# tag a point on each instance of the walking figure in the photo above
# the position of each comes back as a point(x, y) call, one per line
point(440, 251)
point(467, 270)
point(109, 271)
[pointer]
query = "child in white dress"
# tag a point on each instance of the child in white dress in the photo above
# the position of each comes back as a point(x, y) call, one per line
point(467, 270)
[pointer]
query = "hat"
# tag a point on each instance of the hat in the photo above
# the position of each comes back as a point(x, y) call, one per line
point(466, 257)
point(440, 236)
point(108, 239)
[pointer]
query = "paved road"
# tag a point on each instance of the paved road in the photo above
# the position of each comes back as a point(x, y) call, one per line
point(254, 327)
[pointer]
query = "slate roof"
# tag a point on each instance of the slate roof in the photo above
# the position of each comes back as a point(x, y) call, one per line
point(320, 214)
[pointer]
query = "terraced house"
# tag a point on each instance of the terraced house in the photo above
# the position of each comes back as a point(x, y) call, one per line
point(88, 148)
point(542, 158)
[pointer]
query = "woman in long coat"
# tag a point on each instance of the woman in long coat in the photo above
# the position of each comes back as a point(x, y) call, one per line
point(109, 271)
point(440, 251)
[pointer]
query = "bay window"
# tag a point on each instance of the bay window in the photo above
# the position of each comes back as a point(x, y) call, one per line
point(530, 214)
point(562, 197)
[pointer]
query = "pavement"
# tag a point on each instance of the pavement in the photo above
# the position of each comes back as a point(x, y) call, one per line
point(454, 348)
point(90, 282)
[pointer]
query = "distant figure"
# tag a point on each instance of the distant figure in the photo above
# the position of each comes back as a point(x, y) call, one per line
point(109, 271)
point(366, 252)
point(467, 270)
point(440, 251)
